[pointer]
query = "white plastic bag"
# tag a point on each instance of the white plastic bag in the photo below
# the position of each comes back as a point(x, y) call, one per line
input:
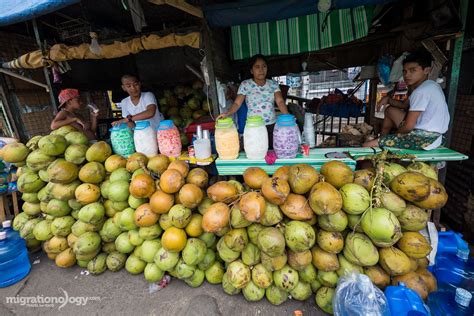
point(396, 73)
point(357, 295)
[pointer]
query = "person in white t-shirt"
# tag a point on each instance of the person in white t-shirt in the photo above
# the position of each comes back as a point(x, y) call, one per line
point(427, 118)
point(138, 106)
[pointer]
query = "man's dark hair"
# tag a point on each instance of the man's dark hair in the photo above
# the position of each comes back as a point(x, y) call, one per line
point(422, 58)
point(254, 59)
point(129, 76)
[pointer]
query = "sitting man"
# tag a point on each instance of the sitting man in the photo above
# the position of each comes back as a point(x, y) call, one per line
point(427, 118)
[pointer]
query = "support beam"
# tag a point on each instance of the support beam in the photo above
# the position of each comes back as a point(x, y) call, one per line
point(455, 67)
point(45, 70)
point(181, 5)
point(13, 112)
point(210, 68)
point(14, 74)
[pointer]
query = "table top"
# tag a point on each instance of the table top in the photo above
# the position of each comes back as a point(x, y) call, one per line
point(318, 156)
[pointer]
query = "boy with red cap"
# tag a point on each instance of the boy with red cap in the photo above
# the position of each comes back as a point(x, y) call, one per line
point(69, 103)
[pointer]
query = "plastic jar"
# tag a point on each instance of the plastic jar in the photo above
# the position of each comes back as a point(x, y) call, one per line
point(286, 136)
point(145, 139)
point(227, 139)
point(121, 137)
point(255, 138)
point(169, 140)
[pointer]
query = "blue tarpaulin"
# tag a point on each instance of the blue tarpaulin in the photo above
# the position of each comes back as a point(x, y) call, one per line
point(255, 11)
point(14, 11)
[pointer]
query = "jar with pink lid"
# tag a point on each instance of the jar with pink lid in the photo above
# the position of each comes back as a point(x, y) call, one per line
point(169, 141)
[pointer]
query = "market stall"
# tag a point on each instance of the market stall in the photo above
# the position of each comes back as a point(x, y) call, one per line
point(295, 219)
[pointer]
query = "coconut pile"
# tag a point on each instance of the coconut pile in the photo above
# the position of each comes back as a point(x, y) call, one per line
point(283, 236)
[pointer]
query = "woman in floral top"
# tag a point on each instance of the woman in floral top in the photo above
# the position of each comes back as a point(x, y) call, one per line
point(260, 94)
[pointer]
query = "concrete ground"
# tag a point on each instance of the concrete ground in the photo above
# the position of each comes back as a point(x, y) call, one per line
point(122, 293)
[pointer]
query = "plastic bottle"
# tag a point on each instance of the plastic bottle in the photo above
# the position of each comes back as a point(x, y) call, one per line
point(308, 130)
point(451, 303)
point(14, 262)
point(286, 136)
point(453, 271)
point(169, 140)
point(255, 138)
point(121, 137)
point(227, 139)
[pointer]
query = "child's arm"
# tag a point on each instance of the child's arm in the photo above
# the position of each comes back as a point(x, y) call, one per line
point(62, 119)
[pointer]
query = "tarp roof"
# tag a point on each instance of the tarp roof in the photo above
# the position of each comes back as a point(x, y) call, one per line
point(14, 11)
point(255, 11)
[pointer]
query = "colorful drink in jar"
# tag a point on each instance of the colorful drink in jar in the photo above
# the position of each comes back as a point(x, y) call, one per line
point(227, 139)
point(286, 136)
point(169, 140)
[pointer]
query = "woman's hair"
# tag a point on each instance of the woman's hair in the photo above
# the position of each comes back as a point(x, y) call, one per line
point(254, 59)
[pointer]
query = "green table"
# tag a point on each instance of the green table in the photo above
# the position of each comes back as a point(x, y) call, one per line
point(435, 155)
point(318, 156)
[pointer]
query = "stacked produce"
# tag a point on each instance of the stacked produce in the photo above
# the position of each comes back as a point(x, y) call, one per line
point(289, 235)
point(183, 105)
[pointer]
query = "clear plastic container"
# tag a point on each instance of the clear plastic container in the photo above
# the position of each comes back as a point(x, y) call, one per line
point(403, 301)
point(169, 140)
point(121, 137)
point(455, 270)
point(456, 302)
point(227, 139)
point(14, 262)
point(255, 138)
point(144, 138)
point(202, 148)
point(286, 136)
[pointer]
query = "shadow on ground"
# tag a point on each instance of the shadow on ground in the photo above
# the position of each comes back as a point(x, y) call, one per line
point(122, 293)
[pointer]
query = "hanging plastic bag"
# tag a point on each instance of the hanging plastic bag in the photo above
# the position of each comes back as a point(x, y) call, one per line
point(357, 295)
point(383, 68)
point(397, 69)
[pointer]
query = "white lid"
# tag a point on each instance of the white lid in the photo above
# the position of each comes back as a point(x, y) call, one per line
point(3, 235)
point(463, 297)
point(6, 224)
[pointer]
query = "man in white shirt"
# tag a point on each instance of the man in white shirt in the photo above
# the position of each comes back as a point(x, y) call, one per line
point(428, 116)
point(138, 106)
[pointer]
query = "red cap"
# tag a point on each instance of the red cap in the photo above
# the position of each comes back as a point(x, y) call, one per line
point(66, 95)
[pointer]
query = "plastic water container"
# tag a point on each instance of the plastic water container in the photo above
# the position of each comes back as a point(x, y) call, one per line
point(144, 138)
point(286, 136)
point(14, 262)
point(255, 138)
point(227, 139)
point(456, 302)
point(11, 233)
point(169, 139)
point(404, 301)
point(455, 270)
point(121, 137)
point(449, 242)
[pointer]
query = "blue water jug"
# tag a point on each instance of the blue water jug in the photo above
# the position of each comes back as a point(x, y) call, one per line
point(451, 303)
point(455, 270)
point(449, 242)
point(14, 261)
point(11, 233)
point(404, 301)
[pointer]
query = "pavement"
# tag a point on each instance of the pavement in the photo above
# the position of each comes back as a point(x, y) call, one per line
point(120, 293)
